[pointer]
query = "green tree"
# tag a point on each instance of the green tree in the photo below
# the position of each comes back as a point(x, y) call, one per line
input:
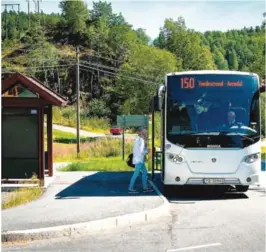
point(143, 38)
point(148, 64)
point(185, 44)
point(233, 62)
point(219, 60)
point(75, 14)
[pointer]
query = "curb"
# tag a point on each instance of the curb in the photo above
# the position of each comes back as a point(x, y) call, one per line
point(91, 226)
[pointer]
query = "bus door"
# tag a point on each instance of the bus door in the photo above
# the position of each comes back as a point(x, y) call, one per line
point(156, 152)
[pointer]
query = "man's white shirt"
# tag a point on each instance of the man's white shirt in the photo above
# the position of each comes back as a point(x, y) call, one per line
point(139, 151)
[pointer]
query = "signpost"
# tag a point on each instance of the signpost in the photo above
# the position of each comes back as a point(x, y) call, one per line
point(131, 121)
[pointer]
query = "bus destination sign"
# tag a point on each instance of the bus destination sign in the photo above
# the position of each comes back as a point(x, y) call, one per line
point(190, 83)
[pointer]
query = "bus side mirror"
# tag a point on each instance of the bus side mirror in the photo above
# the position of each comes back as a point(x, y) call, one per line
point(156, 103)
point(161, 96)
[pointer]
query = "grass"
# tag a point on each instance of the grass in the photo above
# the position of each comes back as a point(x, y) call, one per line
point(66, 137)
point(99, 148)
point(114, 164)
point(67, 117)
point(22, 196)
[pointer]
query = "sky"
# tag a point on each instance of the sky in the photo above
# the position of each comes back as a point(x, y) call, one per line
point(199, 15)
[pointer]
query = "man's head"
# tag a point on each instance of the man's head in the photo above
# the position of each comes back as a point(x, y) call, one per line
point(142, 132)
point(231, 116)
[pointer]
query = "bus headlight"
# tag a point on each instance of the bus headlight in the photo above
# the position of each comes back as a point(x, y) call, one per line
point(170, 156)
point(252, 158)
point(175, 158)
point(179, 159)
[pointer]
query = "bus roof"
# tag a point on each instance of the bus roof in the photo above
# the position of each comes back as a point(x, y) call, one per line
point(212, 72)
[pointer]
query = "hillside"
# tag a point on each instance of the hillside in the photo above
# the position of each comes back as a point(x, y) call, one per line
point(120, 69)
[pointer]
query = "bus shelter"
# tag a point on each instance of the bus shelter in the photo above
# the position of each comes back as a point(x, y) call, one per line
point(25, 102)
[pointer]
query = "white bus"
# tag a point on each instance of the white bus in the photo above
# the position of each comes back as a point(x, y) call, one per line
point(211, 131)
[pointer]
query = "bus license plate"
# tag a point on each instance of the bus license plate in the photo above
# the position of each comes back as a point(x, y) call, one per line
point(212, 181)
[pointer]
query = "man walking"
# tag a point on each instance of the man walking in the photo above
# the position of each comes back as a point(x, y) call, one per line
point(139, 153)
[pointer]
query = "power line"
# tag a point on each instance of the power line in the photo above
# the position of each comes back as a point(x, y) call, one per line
point(51, 66)
point(94, 68)
point(123, 76)
point(96, 65)
point(113, 68)
point(120, 61)
point(96, 56)
point(36, 59)
point(99, 56)
point(28, 69)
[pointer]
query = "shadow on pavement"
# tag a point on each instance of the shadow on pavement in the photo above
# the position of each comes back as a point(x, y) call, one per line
point(102, 184)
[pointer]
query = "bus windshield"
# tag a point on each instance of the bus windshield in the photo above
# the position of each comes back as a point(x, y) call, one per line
point(212, 109)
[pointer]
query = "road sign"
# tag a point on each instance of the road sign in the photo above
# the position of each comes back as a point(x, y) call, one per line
point(132, 121)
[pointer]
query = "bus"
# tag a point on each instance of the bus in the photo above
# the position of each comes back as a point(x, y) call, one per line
point(211, 129)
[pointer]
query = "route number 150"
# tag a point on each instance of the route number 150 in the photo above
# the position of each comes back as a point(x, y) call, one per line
point(187, 82)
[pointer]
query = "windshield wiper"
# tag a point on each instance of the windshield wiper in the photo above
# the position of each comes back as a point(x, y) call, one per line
point(189, 132)
point(226, 132)
point(207, 132)
point(244, 136)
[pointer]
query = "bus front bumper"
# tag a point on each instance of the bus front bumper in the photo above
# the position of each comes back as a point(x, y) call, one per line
point(220, 180)
point(243, 176)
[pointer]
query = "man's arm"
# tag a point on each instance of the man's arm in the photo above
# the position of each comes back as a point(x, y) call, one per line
point(142, 147)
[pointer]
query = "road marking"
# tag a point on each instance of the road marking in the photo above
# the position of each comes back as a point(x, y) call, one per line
point(194, 247)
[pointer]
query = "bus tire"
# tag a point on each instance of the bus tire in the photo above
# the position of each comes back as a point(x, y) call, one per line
point(241, 188)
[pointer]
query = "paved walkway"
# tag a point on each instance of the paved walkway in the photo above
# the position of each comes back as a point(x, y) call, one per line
point(83, 133)
point(76, 197)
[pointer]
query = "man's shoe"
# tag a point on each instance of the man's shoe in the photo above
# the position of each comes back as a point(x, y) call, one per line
point(132, 191)
point(148, 190)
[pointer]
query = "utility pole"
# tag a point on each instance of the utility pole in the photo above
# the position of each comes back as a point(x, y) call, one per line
point(59, 84)
point(37, 6)
point(19, 23)
point(78, 105)
point(6, 21)
point(12, 5)
point(28, 13)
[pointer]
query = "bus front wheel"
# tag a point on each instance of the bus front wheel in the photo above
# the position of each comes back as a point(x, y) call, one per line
point(241, 188)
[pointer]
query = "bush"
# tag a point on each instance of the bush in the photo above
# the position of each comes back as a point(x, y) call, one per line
point(105, 147)
point(98, 108)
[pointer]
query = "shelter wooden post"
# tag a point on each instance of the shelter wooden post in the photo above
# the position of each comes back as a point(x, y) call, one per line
point(50, 140)
point(41, 144)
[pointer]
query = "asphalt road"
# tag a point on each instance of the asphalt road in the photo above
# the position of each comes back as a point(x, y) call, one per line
point(232, 222)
